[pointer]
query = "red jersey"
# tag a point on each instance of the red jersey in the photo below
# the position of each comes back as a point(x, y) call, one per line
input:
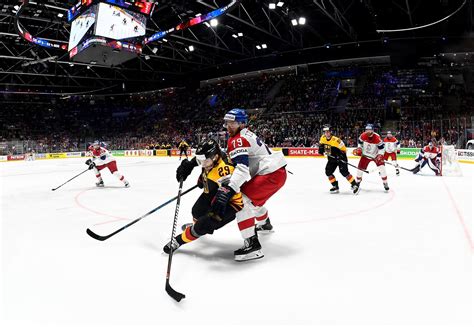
point(101, 155)
point(430, 152)
point(391, 144)
point(371, 145)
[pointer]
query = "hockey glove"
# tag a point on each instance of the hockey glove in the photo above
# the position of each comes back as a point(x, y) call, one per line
point(185, 169)
point(219, 203)
point(214, 216)
point(357, 152)
point(90, 163)
point(379, 160)
point(321, 150)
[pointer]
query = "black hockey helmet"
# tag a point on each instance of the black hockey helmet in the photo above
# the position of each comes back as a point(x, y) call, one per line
point(207, 149)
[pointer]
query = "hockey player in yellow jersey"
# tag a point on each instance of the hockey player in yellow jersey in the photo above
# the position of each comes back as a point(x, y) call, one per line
point(335, 149)
point(216, 171)
point(183, 149)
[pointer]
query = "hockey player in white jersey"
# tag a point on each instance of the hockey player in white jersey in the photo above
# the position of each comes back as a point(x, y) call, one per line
point(259, 173)
point(102, 158)
point(392, 148)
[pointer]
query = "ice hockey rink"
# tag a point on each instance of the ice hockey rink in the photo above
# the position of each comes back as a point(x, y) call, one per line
point(398, 258)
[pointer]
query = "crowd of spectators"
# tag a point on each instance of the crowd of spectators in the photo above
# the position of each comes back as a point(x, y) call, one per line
point(286, 110)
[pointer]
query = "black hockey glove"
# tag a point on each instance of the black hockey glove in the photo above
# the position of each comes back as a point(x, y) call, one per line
point(185, 169)
point(321, 150)
point(90, 163)
point(219, 203)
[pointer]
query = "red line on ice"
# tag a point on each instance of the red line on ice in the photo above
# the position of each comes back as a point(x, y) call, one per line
point(116, 218)
point(460, 217)
point(392, 196)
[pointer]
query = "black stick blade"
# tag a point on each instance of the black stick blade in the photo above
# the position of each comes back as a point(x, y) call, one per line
point(171, 292)
point(95, 236)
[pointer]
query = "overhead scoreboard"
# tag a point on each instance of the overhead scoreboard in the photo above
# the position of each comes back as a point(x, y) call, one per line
point(107, 32)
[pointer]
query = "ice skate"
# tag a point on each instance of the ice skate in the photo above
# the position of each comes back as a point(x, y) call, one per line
point(250, 251)
point(171, 245)
point(264, 228)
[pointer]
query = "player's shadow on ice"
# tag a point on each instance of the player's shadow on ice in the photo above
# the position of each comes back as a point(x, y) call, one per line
point(221, 255)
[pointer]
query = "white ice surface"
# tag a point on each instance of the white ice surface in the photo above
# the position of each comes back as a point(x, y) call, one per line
point(397, 258)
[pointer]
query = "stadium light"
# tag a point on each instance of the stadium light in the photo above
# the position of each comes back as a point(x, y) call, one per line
point(259, 47)
point(264, 46)
point(154, 50)
point(302, 21)
point(191, 48)
point(214, 22)
point(60, 15)
point(294, 22)
point(234, 36)
point(280, 4)
point(240, 34)
point(272, 5)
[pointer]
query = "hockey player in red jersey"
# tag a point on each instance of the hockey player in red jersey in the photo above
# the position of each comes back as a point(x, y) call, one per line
point(102, 158)
point(430, 155)
point(392, 148)
point(371, 148)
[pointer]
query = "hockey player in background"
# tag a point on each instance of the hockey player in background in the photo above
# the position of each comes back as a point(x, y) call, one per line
point(430, 155)
point(183, 149)
point(371, 148)
point(102, 158)
point(216, 171)
point(335, 150)
point(392, 148)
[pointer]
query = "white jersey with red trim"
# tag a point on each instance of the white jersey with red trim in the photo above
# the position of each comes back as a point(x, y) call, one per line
point(430, 152)
point(251, 157)
point(101, 156)
point(391, 144)
point(371, 145)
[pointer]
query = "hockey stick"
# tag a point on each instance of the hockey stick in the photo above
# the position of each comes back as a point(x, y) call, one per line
point(103, 238)
point(54, 189)
point(391, 164)
point(171, 292)
point(349, 164)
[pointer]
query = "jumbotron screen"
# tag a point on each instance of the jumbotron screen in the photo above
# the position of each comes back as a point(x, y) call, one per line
point(119, 24)
point(80, 26)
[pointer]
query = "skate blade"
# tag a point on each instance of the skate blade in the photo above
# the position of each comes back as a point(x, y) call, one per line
point(265, 231)
point(334, 192)
point(250, 256)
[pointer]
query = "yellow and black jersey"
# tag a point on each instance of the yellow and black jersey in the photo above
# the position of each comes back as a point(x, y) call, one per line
point(183, 145)
point(213, 179)
point(334, 146)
